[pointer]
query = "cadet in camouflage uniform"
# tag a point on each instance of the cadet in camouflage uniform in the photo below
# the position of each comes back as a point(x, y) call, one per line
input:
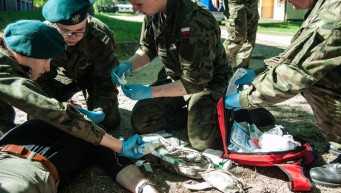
point(186, 38)
point(86, 63)
point(310, 66)
point(26, 49)
point(241, 23)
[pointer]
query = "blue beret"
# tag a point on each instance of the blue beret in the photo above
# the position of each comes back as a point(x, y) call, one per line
point(34, 39)
point(66, 12)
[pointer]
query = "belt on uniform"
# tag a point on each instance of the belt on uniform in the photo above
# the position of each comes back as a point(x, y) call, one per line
point(22, 152)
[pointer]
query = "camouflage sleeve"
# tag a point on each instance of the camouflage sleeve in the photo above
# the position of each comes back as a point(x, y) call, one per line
point(27, 96)
point(103, 90)
point(314, 53)
point(198, 44)
point(147, 42)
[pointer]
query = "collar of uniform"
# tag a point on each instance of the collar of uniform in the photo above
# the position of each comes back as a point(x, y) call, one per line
point(171, 10)
point(171, 5)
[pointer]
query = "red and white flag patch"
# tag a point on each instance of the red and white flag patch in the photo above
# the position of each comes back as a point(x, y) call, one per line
point(185, 31)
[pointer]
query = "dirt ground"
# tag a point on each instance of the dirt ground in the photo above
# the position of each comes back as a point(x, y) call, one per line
point(294, 114)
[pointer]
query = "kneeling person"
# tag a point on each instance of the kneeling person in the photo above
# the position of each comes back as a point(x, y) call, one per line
point(86, 63)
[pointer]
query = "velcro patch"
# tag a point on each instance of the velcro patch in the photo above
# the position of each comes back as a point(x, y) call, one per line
point(185, 31)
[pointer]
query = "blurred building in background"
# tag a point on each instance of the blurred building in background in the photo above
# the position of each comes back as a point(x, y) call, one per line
point(279, 10)
point(16, 5)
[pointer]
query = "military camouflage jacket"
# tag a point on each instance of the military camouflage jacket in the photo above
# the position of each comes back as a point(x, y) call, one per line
point(187, 41)
point(312, 61)
point(19, 91)
point(90, 63)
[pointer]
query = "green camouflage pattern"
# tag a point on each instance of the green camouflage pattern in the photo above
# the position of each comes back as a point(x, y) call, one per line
point(310, 66)
point(188, 44)
point(170, 113)
point(16, 89)
point(87, 68)
point(198, 58)
point(241, 20)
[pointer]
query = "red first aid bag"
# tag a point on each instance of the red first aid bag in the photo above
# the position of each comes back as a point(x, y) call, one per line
point(291, 162)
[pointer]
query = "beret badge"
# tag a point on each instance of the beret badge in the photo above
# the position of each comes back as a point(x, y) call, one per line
point(75, 18)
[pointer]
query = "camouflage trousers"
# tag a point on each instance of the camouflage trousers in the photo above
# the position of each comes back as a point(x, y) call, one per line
point(63, 91)
point(241, 23)
point(7, 117)
point(168, 113)
point(327, 111)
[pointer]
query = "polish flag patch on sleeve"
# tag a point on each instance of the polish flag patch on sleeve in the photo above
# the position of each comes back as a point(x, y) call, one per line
point(185, 31)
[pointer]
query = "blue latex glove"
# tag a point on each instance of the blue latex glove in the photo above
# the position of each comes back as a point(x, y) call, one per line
point(247, 78)
point(94, 116)
point(129, 145)
point(232, 102)
point(125, 68)
point(137, 91)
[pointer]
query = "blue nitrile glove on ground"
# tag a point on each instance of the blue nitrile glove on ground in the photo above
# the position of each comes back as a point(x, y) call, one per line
point(137, 91)
point(247, 78)
point(129, 145)
point(94, 116)
point(232, 102)
point(125, 68)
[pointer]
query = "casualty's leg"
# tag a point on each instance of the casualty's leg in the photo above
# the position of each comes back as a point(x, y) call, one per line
point(132, 179)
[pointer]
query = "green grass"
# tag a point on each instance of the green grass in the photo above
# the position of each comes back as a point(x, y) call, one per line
point(278, 27)
point(12, 16)
point(124, 30)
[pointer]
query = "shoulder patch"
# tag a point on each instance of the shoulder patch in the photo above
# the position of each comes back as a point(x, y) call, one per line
point(185, 31)
point(105, 39)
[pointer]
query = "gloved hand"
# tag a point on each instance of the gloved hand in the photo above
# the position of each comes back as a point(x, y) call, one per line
point(125, 68)
point(247, 78)
point(232, 102)
point(94, 116)
point(137, 91)
point(129, 145)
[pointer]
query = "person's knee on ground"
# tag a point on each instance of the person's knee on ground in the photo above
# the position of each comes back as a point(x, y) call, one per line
point(132, 179)
point(202, 131)
point(204, 142)
point(151, 115)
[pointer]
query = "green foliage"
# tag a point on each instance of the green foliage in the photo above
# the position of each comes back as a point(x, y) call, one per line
point(39, 3)
point(105, 3)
